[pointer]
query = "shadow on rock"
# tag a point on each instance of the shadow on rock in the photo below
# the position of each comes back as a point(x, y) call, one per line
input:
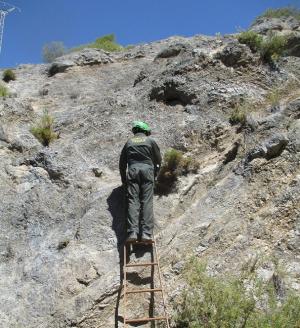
point(117, 207)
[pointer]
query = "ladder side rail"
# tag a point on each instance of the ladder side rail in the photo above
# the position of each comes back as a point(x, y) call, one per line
point(124, 283)
point(161, 285)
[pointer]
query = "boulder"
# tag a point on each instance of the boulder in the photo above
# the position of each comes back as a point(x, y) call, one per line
point(234, 55)
point(171, 51)
point(60, 67)
point(270, 148)
point(293, 45)
point(80, 58)
point(263, 25)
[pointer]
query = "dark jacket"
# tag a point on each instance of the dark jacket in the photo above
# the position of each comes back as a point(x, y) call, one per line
point(139, 149)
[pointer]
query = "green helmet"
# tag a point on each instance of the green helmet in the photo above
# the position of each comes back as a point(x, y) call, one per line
point(139, 125)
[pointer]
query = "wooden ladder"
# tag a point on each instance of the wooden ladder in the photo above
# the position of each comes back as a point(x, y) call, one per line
point(153, 264)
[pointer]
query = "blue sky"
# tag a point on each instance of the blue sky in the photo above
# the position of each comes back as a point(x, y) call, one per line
point(77, 22)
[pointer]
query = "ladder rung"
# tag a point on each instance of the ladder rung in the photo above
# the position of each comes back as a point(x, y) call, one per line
point(140, 242)
point(143, 290)
point(144, 319)
point(141, 264)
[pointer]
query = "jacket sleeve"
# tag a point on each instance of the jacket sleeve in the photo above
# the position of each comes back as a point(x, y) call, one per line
point(123, 164)
point(156, 156)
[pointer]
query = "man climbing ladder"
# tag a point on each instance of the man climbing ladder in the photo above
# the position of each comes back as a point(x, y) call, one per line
point(142, 159)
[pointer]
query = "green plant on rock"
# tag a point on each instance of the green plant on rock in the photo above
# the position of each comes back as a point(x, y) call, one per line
point(106, 43)
point(3, 91)
point(251, 38)
point(273, 97)
point(174, 165)
point(230, 301)
point(272, 48)
point(239, 113)
point(43, 130)
point(9, 75)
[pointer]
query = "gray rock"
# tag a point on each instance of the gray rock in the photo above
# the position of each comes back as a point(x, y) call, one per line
point(172, 91)
point(60, 67)
point(3, 136)
point(269, 149)
point(293, 45)
point(275, 145)
point(294, 136)
point(265, 24)
point(80, 58)
point(234, 55)
point(171, 51)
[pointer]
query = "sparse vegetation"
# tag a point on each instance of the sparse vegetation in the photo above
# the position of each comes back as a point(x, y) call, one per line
point(174, 165)
point(282, 12)
point(3, 91)
point(8, 75)
point(252, 39)
point(43, 131)
point(273, 97)
point(53, 50)
point(239, 113)
point(106, 43)
point(270, 49)
point(228, 301)
point(279, 92)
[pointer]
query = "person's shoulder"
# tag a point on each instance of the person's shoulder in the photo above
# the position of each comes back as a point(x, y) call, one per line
point(152, 140)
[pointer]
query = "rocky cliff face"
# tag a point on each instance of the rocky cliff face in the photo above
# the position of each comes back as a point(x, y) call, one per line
point(62, 208)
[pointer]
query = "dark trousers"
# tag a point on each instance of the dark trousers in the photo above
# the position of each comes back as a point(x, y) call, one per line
point(140, 184)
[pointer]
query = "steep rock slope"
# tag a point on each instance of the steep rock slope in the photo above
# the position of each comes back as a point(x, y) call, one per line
point(62, 208)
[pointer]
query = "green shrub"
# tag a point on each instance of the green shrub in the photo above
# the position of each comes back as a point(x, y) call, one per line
point(226, 302)
point(239, 114)
point(43, 131)
point(272, 48)
point(282, 12)
point(3, 91)
point(106, 43)
point(8, 75)
point(273, 97)
point(251, 38)
point(53, 50)
point(174, 165)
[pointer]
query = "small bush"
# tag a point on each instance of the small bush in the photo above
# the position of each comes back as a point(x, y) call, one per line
point(53, 50)
point(274, 97)
point(9, 75)
point(273, 48)
point(282, 12)
point(284, 91)
point(251, 38)
point(106, 43)
point(239, 114)
point(174, 165)
point(3, 91)
point(227, 302)
point(43, 131)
